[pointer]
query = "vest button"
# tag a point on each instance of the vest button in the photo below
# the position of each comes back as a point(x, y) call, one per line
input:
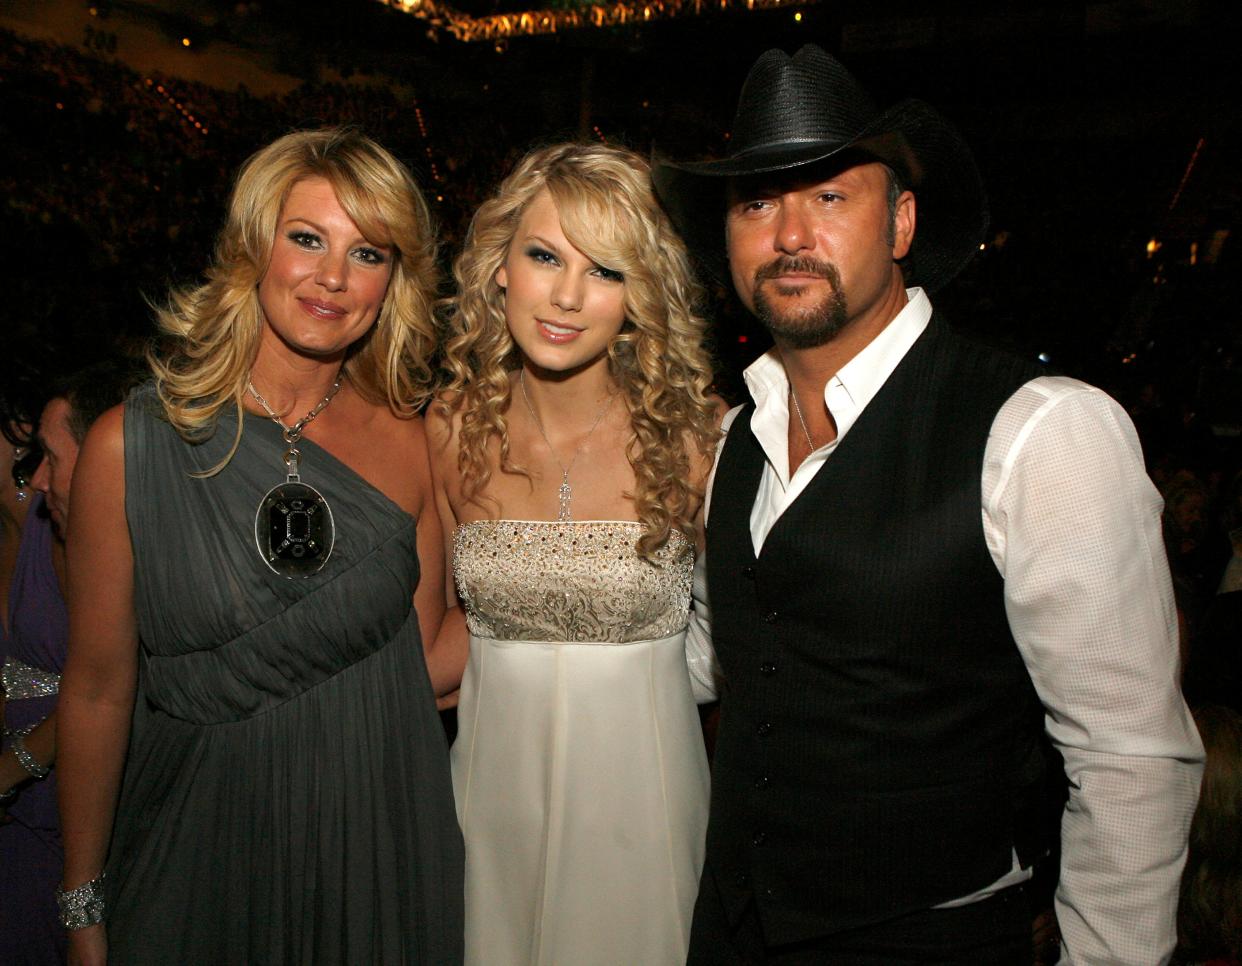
point(762, 782)
point(759, 838)
point(741, 880)
point(748, 573)
point(763, 729)
point(767, 669)
point(770, 617)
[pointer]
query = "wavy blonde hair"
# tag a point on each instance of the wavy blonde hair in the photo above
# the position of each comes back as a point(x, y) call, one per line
point(608, 211)
point(213, 330)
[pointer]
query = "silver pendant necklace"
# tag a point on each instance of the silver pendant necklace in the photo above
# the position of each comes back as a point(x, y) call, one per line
point(565, 493)
point(293, 527)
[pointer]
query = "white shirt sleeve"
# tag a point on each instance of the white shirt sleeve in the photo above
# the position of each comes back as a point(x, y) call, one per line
point(700, 655)
point(705, 676)
point(1073, 524)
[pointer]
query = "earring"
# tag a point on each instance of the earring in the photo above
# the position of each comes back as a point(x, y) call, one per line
point(20, 480)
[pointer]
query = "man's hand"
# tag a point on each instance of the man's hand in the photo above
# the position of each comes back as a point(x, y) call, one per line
point(1046, 937)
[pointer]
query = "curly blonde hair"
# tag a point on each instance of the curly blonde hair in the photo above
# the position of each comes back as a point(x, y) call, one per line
point(659, 361)
point(213, 330)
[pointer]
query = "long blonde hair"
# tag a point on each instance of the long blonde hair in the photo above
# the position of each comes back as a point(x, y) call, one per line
point(213, 330)
point(609, 212)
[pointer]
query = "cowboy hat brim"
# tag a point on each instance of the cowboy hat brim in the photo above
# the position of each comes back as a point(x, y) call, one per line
point(911, 137)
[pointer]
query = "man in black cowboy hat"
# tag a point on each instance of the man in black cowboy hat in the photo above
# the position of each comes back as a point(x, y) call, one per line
point(920, 553)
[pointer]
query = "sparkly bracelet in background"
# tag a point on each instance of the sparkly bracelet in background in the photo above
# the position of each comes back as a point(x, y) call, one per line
point(83, 906)
point(27, 760)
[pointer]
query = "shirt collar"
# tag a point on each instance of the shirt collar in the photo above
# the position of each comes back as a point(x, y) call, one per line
point(863, 376)
point(847, 393)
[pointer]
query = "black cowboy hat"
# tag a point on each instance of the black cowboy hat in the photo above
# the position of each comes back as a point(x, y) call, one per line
point(801, 110)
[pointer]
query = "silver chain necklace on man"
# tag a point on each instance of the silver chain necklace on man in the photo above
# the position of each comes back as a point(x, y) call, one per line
point(565, 493)
point(798, 409)
point(293, 527)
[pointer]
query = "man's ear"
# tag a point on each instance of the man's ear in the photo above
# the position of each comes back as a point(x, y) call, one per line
point(904, 218)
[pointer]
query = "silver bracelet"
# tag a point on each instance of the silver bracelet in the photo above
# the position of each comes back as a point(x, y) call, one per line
point(83, 906)
point(27, 760)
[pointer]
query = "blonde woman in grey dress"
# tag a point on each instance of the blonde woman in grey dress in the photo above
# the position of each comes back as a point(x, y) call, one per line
point(253, 770)
point(570, 451)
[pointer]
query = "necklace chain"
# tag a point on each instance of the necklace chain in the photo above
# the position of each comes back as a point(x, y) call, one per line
point(294, 433)
point(293, 527)
point(565, 493)
point(798, 409)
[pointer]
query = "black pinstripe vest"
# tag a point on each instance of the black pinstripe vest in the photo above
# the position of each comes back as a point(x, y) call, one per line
point(879, 744)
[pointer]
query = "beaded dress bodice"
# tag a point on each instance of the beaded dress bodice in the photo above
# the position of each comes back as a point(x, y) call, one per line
point(570, 582)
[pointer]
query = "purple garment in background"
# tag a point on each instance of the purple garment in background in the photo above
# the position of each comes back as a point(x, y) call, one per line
point(30, 847)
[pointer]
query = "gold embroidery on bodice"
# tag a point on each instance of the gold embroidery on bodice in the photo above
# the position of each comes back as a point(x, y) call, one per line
point(572, 581)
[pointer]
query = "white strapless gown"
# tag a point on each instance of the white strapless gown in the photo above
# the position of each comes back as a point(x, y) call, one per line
point(579, 768)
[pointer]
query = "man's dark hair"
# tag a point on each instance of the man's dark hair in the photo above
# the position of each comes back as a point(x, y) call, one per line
point(895, 187)
point(94, 390)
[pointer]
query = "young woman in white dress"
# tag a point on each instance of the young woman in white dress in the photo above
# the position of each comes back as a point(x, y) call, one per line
point(570, 452)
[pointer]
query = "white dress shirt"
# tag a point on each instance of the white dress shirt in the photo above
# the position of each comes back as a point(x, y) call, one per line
point(1073, 525)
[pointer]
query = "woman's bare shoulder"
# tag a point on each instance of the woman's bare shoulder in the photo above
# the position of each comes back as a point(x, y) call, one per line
point(106, 437)
point(401, 437)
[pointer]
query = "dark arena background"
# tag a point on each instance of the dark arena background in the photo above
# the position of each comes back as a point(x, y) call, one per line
point(1108, 134)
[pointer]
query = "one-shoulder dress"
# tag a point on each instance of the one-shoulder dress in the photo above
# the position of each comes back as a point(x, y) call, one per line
point(579, 766)
point(287, 796)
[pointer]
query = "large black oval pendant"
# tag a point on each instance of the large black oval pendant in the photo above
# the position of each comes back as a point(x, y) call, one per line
point(293, 530)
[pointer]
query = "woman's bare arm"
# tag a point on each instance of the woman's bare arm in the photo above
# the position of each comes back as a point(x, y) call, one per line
point(97, 689)
point(429, 595)
point(446, 656)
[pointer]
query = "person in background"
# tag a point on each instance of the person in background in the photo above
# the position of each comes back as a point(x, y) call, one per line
point(20, 402)
point(29, 855)
point(255, 531)
point(33, 655)
point(1231, 518)
point(1209, 915)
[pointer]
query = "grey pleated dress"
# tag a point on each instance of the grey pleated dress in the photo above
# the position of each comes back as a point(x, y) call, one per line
point(286, 796)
